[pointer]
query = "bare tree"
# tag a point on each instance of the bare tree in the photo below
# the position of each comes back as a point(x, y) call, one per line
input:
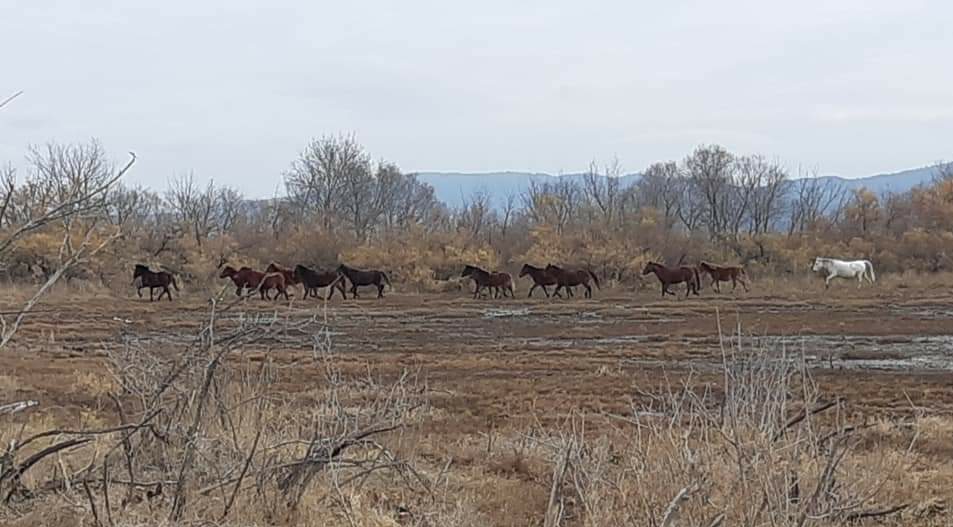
point(71, 186)
point(8, 184)
point(813, 199)
point(767, 201)
point(661, 188)
point(554, 203)
point(203, 212)
point(328, 168)
point(475, 215)
point(603, 191)
point(710, 169)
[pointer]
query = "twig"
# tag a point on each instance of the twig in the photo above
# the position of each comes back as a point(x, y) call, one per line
point(802, 415)
point(92, 504)
point(10, 98)
point(671, 513)
point(854, 516)
point(238, 484)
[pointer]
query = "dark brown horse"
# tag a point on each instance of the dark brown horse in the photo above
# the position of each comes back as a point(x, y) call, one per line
point(143, 277)
point(541, 278)
point(360, 278)
point(669, 275)
point(484, 279)
point(246, 277)
point(724, 273)
point(313, 280)
point(573, 277)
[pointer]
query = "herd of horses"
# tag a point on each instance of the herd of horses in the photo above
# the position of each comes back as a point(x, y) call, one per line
point(278, 279)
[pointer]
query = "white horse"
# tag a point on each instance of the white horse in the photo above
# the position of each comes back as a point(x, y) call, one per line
point(859, 269)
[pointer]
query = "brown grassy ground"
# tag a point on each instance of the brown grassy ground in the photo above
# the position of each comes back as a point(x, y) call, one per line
point(497, 368)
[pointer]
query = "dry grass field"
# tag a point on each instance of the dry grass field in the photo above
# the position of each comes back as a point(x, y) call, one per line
point(508, 411)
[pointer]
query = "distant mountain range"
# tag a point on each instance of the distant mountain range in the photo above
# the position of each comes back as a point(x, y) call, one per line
point(453, 188)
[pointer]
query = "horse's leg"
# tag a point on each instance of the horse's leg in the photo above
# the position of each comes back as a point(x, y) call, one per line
point(530, 295)
point(588, 290)
point(380, 290)
point(827, 281)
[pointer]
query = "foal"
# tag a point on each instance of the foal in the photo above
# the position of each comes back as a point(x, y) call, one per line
point(246, 277)
point(485, 279)
point(723, 273)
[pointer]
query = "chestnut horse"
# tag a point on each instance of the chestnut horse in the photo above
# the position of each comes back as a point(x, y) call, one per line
point(143, 277)
point(313, 280)
point(541, 278)
point(668, 276)
point(246, 277)
point(289, 275)
point(723, 273)
point(485, 279)
point(360, 278)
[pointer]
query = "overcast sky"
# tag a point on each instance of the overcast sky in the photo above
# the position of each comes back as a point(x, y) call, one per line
point(233, 90)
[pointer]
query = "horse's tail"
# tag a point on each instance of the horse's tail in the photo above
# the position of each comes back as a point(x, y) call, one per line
point(869, 267)
point(698, 278)
point(172, 281)
point(594, 278)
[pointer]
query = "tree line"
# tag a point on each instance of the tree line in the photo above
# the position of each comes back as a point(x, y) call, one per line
point(340, 204)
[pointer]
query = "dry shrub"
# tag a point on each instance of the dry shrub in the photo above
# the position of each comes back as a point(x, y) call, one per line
point(769, 449)
point(203, 436)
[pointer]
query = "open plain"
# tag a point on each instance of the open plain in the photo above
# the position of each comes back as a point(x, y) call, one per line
point(497, 368)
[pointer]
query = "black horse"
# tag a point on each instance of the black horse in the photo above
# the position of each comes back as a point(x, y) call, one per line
point(143, 277)
point(313, 280)
point(360, 278)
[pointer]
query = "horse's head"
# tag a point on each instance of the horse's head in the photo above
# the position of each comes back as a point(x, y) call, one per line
point(467, 271)
point(341, 269)
point(272, 268)
point(300, 271)
point(139, 270)
point(228, 272)
point(705, 266)
point(650, 267)
point(525, 270)
point(818, 264)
